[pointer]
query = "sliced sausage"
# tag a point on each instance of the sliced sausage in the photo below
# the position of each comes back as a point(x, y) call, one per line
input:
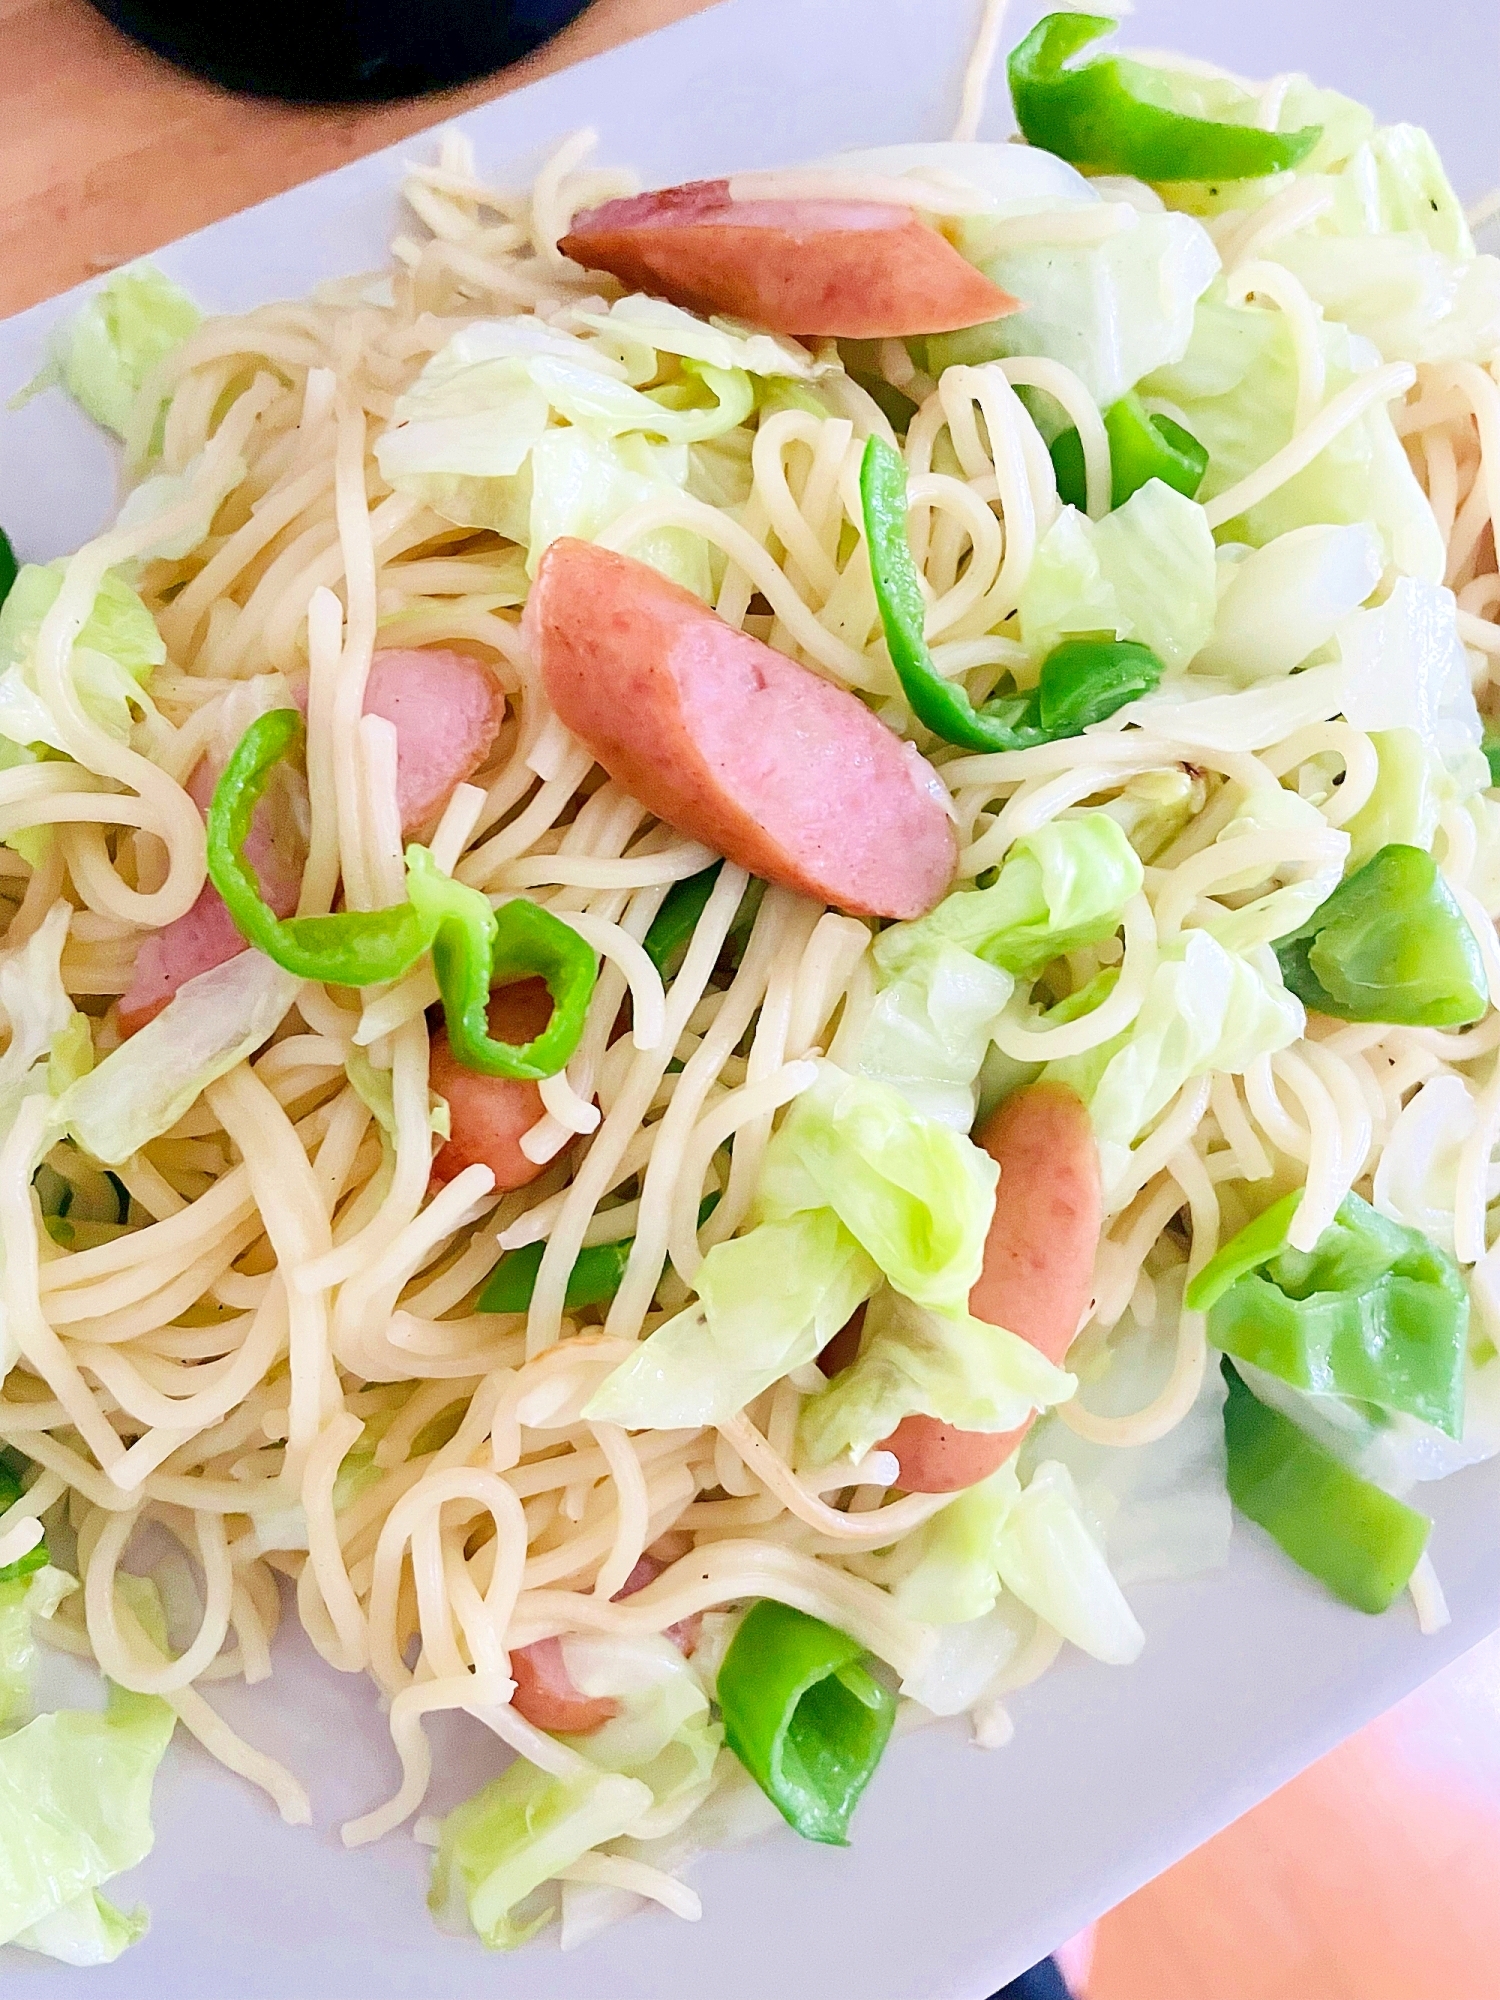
point(858, 270)
point(734, 744)
point(490, 1114)
point(1038, 1268)
point(545, 1694)
point(206, 935)
point(447, 709)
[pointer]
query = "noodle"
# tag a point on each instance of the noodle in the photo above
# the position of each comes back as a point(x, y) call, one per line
point(279, 1353)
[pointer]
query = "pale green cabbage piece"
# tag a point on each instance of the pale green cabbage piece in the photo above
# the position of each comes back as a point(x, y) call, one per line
point(1111, 311)
point(1235, 390)
point(1273, 809)
point(143, 1087)
point(75, 1809)
point(1059, 888)
point(856, 1184)
point(22, 1599)
point(640, 328)
point(582, 484)
point(1147, 571)
point(1282, 602)
point(916, 1196)
point(1206, 1008)
point(514, 1834)
point(1393, 257)
point(1163, 1507)
point(952, 1578)
point(1410, 793)
point(663, 1733)
point(948, 1365)
point(104, 353)
point(1048, 1557)
point(112, 657)
point(1408, 669)
point(160, 492)
point(768, 1302)
point(948, 975)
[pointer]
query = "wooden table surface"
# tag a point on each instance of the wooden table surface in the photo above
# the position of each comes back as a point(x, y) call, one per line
point(106, 152)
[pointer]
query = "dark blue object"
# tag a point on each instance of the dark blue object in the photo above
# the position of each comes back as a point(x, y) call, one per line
point(1043, 1982)
point(338, 51)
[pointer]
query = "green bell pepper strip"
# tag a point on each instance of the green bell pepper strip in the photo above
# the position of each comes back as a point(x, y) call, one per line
point(34, 1559)
point(1490, 747)
point(1390, 944)
point(1357, 1540)
point(1142, 447)
point(473, 948)
point(1100, 114)
point(9, 568)
point(594, 1279)
point(674, 923)
point(1375, 1312)
point(1083, 680)
point(805, 1716)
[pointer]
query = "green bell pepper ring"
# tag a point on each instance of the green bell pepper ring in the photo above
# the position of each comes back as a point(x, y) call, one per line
point(1101, 114)
point(1083, 680)
point(475, 948)
point(1349, 1534)
point(350, 948)
point(1375, 1312)
point(1142, 447)
point(805, 1716)
point(1390, 944)
point(472, 947)
point(9, 568)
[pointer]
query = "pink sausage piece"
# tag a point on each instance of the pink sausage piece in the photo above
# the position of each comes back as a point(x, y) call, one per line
point(447, 709)
point(545, 1694)
point(205, 935)
point(734, 744)
point(490, 1114)
point(1038, 1268)
point(859, 270)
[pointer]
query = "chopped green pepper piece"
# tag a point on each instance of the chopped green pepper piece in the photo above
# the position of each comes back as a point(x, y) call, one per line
point(1082, 681)
point(1102, 114)
point(805, 1716)
point(672, 927)
point(1354, 1538)
point(1491, 748)
point(1142, 447)
point(9, 567)
point(1375, 1311)
point(34, 1559)
point(1390, 944)
point(473, 948)
point(593, 1281)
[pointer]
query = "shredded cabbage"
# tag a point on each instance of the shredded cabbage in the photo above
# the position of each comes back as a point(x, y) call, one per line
point(1146, 571)
point(211, 1023)
point(112, 657)
point(104, 353)
point(1206, 1008)
point(948, 1365)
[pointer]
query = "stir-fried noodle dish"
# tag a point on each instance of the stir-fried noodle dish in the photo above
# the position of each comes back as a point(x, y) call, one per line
point(749, 948)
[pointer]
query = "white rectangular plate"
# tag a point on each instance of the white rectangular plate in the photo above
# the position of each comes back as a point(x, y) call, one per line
point(966, 1866)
